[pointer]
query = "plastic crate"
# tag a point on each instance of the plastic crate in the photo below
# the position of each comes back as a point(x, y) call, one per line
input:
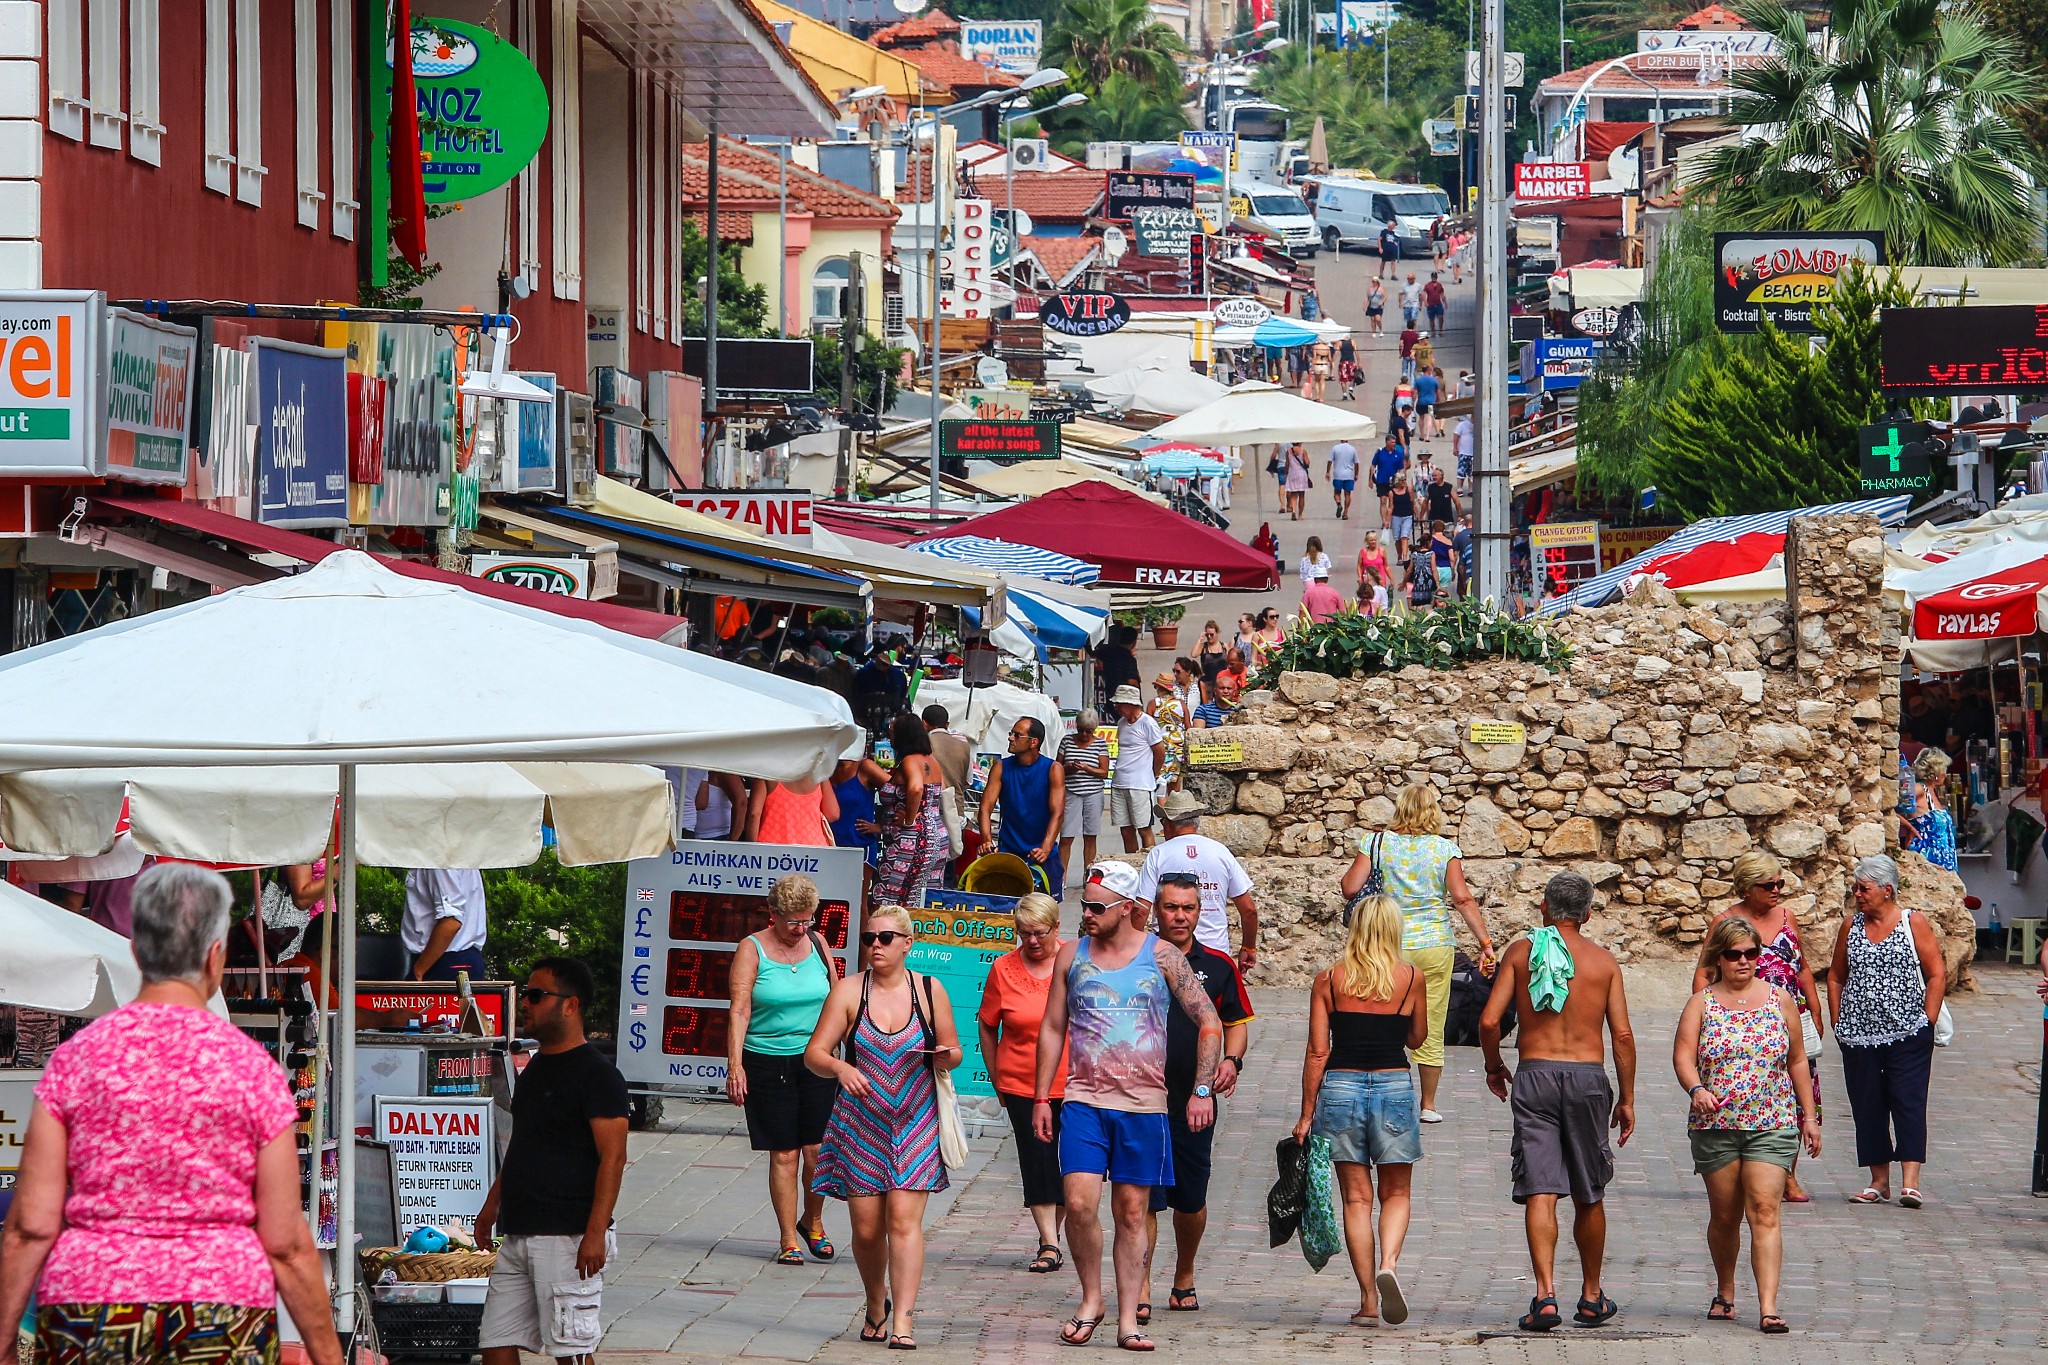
point(427, 1331)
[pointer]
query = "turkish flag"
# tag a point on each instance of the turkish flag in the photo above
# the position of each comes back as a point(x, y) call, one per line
point(408, 181)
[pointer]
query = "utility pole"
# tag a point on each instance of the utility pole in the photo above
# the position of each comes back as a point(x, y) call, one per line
point(1491, 490)
point(852, 329)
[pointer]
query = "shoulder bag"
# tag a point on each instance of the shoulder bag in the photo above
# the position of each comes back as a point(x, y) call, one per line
point(1944, 1022)
point(1375, 883)
point(952, 1132)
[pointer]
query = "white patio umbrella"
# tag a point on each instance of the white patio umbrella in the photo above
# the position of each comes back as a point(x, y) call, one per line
point(350, 663)
point(1258, 413)
point(59, 961)
point(1162, 389)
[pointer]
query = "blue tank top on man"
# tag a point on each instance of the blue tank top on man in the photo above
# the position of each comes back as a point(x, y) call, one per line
point(1026, 804)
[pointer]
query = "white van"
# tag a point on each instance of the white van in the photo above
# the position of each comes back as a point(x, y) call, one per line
point(1351, 212)
point(1279, 212)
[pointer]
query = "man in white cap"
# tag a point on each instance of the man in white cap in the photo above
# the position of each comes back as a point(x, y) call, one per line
point(1140, 755)
point(1223, 879)
point(1107, 1008)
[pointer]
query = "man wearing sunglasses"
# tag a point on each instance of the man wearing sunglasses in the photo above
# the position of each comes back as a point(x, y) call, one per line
point(1030, 790)
point(555, 1191)
point(1561, 1101)
point(1108, 1007)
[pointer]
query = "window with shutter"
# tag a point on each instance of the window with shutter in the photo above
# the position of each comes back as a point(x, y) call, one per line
point(103, 36)
point(306, 109)
point(220, 125)
point(566, 117)
point(249, 167)
point(527, 190)
point(65, 67)
point(341, 22)
point(643, 121)
point(145, 82)
point(658, 244)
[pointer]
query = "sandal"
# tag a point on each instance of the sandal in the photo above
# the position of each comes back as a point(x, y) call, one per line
point(1047, 1260)
point(1144, 1315)
point(902, 1341)
point(1079, 1331)
point(1393, 1303)
point(1364, 1319)
point(789, 1256)
point(1183, 1301)
point(1909, 1199)
point(1593, 1312)
point(876, 1329)
point(1721, 1310)
point(1770, 1324)
point(1536, 1320)
point(1134, 1341)
point(1871, 1195)
point(820, 1245)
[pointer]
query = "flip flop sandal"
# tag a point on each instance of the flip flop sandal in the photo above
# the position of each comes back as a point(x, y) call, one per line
point(1393, 1303)
point(876, 1329)
point(1536, 1320)
point(1593, 1312)
point(1047, 1260)
point(1183, 1301)
point(789, 1256)
point(1364, 1319)
point(1800, 1198)
point(820, 1245)
point(1085, 1327)
point(1871, 1195)
point(902, 1341)
point(1909, 1199)
point(1134, 1341)
point(1770, 1324)
point(1721, 1310)
point(1144, 1315)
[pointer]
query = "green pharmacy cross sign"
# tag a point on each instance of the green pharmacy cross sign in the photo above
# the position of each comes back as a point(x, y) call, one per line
point(1893, 457)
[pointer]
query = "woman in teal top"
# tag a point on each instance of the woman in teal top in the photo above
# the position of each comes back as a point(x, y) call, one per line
point(780, 978)
point(1424, 874)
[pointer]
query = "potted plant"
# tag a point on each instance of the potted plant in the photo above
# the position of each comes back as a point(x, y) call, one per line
point(1165, 624)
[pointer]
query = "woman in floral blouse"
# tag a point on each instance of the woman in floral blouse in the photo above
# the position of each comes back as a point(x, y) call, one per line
point(1740, 1057)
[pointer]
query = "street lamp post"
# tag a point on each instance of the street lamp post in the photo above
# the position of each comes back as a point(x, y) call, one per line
point(1218, 67)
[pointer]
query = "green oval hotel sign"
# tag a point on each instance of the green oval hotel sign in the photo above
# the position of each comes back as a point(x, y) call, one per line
point(483, 109)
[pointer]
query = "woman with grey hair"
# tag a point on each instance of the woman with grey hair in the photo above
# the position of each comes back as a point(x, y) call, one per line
point(157, 1215)
point(1884, 990)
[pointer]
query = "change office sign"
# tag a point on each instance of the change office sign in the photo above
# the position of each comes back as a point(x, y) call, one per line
point(1781, 277)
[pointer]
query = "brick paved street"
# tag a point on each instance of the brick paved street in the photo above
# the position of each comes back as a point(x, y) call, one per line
point(1958, 1281)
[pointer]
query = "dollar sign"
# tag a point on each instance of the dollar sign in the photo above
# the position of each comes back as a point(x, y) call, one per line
point(639, 1032)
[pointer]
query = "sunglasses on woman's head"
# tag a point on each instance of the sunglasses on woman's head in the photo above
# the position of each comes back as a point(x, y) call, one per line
point(1749, 954)
point(885, 937)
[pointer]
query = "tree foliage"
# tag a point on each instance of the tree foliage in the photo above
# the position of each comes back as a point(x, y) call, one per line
point(742, 307)
point(2025, 22)
point(876, 365)
point(1904, 122)
point(1095, 39)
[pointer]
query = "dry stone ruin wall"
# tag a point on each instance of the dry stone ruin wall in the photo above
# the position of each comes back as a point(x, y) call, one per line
point(1677, 739)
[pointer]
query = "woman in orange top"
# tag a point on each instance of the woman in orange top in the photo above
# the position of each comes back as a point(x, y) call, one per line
point(792, 813)
point(1012, 1005)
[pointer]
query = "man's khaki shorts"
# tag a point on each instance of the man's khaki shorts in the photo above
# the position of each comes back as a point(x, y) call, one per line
point(538, 1303)
point(1130, 808)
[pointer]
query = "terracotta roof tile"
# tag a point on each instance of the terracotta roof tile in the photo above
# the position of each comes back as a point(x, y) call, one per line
point(732, 227)
point(919, 29)
point(1621, 80)
point(955, 72)
point(1059, 255)
point(1053, 196)
point(754, 177)
point(1712, 17)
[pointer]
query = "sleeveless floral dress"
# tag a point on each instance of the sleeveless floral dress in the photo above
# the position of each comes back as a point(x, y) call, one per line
point(1742, 1060)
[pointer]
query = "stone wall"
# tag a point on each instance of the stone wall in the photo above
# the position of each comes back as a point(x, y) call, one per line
point(1676, 739)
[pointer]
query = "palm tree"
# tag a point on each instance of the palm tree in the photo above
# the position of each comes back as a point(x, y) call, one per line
point(1121, 110)
point(1902, 120)
point(1095, 39)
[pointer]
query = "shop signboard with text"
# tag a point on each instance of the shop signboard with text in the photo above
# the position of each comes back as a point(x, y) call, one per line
point(780, 514)
point(1781, 277)
point(150, 371)
point(301, 421)
point(561, 575)
point(960, 934)
point(1559, 362)
point(1550, 180)
point(483, 108)
point(442, 1154)
point(17, 1101)
point(967, 260)
point(1129, 190)
point(686, 913)
point(1938, 351)
point(1011, 45)
point(52, 382)
point(1565, 554)
point(999, 440)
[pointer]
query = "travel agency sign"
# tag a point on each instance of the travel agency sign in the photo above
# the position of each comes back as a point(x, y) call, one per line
point(483, 108)
point(52, 382)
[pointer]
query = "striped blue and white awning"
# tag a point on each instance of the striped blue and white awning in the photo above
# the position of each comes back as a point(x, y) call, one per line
point(1604, 587)
point(1061, 625)
point(1002, 554)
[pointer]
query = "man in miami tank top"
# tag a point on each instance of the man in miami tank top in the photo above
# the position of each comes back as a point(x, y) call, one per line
point(1107, 1007)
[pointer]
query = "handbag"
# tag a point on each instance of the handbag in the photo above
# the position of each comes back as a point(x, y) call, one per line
point(1289, 1194)
point(1944, 1022)
point(956, 828)
point(1322, 1232)
point(1375, 883)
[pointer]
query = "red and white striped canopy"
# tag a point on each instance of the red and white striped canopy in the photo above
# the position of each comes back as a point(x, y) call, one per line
point(2005, 602)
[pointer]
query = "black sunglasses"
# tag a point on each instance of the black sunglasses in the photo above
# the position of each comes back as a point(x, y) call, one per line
point(885, 937)
point(1776, 885)
point(533, 995)
point(1180, 879)
point(1749, 954)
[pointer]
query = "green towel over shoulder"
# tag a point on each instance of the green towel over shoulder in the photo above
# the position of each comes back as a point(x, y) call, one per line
point(1550, 969)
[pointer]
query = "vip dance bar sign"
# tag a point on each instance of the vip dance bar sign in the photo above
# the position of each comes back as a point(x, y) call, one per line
point(1961, 350)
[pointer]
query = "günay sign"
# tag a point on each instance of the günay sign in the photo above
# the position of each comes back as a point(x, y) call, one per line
point(562, 575)
point(52, 376)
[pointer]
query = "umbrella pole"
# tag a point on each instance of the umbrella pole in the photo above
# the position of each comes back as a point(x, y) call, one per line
point(323, 1068)
point(345, 1081)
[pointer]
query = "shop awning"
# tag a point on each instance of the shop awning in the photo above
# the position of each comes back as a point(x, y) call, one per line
point(2004, 602)
point(716, 567)
point(1033, 478)
point(1135, 543)
point(190, 558)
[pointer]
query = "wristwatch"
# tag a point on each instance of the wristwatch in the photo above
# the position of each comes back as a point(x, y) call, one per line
point(1203, 1092)
point(1237, 1062)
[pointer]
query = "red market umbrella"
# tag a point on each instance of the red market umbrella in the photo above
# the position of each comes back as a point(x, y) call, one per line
point(1717, 559)
point(2007, 602)
point(1134, 542)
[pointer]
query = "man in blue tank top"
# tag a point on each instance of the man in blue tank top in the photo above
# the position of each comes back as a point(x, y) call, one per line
point(1031, 791)
point(1107, 1008)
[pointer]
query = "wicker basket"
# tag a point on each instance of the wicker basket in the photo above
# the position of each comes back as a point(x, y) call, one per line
point(417, 1268)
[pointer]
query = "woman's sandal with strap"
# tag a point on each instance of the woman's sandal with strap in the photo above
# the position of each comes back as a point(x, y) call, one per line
point(1770, 1324)
point(1721, 1310)
point(877, 1329)
point(1048, 1259)
point(1183, 1301)
point(1079, 1331)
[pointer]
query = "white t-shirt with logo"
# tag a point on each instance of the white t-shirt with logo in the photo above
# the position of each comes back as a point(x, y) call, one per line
point(1223, 880)
point(1134, 741)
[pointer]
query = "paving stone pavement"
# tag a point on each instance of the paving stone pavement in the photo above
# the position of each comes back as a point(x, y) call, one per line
point(1960, 1280)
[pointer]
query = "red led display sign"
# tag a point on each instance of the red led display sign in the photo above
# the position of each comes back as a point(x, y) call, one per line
point(1964, 349)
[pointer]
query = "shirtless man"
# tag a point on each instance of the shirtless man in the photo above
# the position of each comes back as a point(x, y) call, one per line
point(1563, 986)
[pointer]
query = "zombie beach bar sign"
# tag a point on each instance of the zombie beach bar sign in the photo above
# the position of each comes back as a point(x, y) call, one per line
point(1781, 277)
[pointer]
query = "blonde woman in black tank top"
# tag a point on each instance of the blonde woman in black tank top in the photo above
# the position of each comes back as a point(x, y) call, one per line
point(1357, 1091)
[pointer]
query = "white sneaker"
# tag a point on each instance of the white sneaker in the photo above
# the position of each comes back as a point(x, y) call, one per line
point(1431, 1116)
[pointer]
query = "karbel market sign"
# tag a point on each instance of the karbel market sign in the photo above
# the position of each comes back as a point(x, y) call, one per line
point(1546, 180)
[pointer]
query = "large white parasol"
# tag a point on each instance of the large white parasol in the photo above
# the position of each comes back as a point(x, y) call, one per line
point(59, 961)
point(1258, 413)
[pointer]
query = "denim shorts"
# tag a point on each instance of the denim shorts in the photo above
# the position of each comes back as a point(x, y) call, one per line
point(1370, 1117)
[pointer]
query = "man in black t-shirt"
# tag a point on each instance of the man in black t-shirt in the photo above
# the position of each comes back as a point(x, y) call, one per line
point(1178, 907)
point(555, 1191)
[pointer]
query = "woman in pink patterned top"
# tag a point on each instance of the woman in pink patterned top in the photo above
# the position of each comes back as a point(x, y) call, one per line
point(1739, 1056)
point(157, 1215)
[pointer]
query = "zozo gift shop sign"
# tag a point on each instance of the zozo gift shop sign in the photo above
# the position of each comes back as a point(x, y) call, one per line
point(483, 108)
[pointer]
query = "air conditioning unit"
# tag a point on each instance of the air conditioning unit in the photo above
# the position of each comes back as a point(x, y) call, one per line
point(1032, 154)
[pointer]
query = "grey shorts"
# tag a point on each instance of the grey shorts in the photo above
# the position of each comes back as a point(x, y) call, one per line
point(1561, 1111)
point(538, 1303)
point(1130, 807)
point(1084, 815)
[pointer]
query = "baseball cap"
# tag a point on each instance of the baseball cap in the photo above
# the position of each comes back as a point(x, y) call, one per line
point(1179, 805)
point(1119, 879)
point(1124, 694)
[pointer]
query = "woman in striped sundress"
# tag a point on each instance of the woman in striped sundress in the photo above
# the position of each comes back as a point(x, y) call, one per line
point(881, 1148)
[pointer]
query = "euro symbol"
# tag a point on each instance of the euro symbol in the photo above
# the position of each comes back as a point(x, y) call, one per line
point(640, 979)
